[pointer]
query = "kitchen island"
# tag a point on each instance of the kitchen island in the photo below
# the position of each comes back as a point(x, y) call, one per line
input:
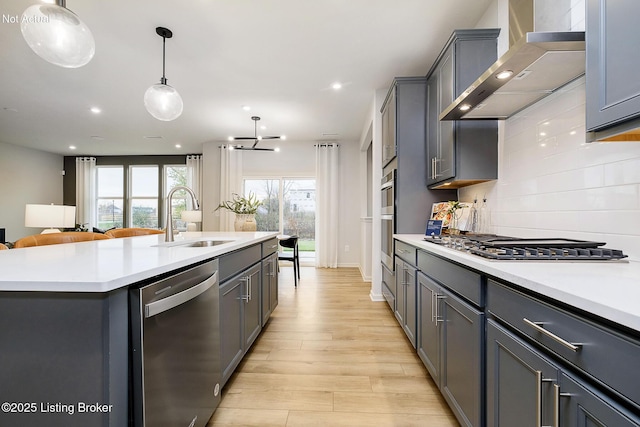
point(68, 327)
point(522, 342)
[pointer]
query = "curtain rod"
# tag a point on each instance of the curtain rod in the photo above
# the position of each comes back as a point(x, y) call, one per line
point(326, 145)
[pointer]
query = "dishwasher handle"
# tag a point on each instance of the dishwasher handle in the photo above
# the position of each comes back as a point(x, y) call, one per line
point(175, 300)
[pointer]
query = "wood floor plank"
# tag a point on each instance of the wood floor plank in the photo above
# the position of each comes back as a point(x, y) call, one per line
point(331, 356)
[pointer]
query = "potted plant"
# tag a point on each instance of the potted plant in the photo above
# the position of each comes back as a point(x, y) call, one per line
point(245, 209)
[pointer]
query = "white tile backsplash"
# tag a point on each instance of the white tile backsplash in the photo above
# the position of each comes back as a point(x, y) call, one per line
point(557, 184)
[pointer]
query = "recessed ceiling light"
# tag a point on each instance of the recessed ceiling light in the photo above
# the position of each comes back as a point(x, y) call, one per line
point(263, 127)
point(573, 132)
point(95, 110)
point(72, 147)
point(283, 137)
point(336, 85)
point(230, 138)
point(277, 149)
point(178, 146)
point(246, 107)
point(231, 147)
point(465, 107)
point(504, 74)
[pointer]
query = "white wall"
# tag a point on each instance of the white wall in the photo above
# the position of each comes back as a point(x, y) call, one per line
point(296, 159)
point(26, 176)
point(551, 183)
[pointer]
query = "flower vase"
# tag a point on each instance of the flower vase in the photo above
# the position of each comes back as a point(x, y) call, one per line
point(245, 222)
point(453, 224)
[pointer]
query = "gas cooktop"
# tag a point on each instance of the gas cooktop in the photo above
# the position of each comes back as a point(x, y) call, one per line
point(507, 248)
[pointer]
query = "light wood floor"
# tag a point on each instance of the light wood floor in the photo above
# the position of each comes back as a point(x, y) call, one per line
point(330, 356)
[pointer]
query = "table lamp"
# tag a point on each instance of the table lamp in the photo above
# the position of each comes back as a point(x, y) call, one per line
point(50, 217)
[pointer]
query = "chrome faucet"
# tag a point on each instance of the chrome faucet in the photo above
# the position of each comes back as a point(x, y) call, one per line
point(169, 227)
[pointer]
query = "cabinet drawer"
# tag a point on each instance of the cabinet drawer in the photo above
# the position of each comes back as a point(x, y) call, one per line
point(406, 252)
point(603, 353)
point(465, 282)
point(233, 263)
point(269, 247)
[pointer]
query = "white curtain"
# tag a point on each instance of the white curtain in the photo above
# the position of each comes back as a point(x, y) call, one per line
point(86, 192)
point(230, 182)
point(194, 177)
point(327, 199)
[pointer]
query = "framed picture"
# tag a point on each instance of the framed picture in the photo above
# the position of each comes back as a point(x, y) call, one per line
point(440, 211)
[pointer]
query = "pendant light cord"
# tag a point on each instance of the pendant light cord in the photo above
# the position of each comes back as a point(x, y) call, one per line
point(163, 80)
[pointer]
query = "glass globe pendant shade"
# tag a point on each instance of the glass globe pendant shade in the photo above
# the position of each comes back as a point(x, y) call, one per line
point(57, 35)
point(163, 102)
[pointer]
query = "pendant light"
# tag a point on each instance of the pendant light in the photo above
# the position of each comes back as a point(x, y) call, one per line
point(57, 35)
point(161, 100)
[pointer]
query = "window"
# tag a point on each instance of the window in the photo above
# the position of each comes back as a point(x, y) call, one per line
point(143, 202)
point(110, 197)
point(288, 207)
point(131, 190)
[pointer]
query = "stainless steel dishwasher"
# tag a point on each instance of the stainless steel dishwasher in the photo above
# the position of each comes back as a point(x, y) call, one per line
point(176, 349)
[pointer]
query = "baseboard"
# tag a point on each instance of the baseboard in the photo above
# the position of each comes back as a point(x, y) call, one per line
point(376, 297)
point(365, 278)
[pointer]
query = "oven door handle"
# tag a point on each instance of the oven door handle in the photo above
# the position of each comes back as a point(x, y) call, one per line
point(160, 306)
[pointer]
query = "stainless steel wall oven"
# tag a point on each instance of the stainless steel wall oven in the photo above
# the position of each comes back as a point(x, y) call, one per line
point(388, 228)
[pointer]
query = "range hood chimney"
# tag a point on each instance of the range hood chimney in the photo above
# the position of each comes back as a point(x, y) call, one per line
point(543, 56)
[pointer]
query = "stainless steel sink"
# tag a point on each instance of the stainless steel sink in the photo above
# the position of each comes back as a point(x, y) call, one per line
point(203, 243)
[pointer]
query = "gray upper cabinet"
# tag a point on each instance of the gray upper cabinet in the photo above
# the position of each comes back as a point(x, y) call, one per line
point(613, 60)
point(389, 129)
point(460, 153)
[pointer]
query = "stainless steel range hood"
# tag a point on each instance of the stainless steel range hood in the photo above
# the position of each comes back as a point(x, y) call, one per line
point(537, 64)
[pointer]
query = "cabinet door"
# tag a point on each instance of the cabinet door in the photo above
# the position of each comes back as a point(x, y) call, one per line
point(520, 382)
point(389, 129)
point(581, 406)
point(252, 306)
point(231, 337)
point(401, 289)
point(410, 317)
point(428, 331)
point(445, 165)
point(269, 294)
point(273, 286)
point(612, 86)
point(432, 127)
point(461, 364)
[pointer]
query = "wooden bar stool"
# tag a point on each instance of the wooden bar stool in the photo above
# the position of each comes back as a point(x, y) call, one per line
point(291, 242)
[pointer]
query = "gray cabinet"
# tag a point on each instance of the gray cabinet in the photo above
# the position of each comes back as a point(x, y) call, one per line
point(406, 289)
point(269, 286)
point(460, 153)
point(248, 296)
point(389, 287)
point(556, 366)
point(612, 86)
point(239, 318)
point(526, 388)
point(428, 344)
point(451, 334)
point(389, 129)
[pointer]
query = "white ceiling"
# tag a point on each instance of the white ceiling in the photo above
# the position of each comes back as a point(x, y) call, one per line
point(277, 56)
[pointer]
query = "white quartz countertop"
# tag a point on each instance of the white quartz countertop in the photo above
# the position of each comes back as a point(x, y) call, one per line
point(610, 290)
point(106, 265)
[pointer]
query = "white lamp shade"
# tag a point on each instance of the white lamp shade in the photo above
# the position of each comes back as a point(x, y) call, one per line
point(191, 216)
point(163, 102)
point(50, 216)
point(57, 35)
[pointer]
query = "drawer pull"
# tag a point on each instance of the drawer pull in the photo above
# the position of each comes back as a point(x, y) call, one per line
point(537, 326)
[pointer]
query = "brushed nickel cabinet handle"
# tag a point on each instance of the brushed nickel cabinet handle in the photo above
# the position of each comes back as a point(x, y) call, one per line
point(538, 327)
